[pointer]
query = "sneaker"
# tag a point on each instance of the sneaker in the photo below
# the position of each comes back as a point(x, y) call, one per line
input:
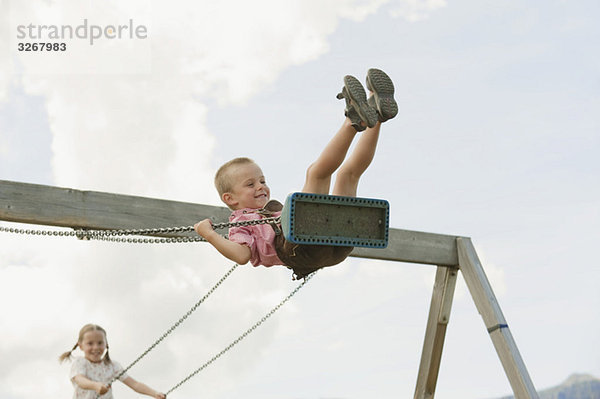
point(357, 108)
point(382, 98)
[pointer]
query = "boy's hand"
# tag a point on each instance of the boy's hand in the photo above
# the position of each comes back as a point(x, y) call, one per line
point(101, 389)
point(204, 228)
point(160, 396)
point(234, 251)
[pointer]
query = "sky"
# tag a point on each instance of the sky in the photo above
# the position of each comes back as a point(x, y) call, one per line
point(497, 139)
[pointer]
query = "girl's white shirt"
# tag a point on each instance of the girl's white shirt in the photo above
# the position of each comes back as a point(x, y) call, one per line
point(100, 372)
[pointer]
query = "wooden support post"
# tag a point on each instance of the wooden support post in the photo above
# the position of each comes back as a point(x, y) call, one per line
point(488, 307)
point(439, 315)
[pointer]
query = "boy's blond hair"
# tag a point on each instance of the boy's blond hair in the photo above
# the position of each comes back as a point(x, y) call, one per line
point(223, 180)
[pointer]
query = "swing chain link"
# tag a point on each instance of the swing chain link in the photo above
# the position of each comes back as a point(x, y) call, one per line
point(108, 235)
point(244, 335)
point(174, 326)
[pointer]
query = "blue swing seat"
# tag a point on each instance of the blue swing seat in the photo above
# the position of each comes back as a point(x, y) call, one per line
point(320, 219)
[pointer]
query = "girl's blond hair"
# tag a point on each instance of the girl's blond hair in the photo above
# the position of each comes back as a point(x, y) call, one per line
point(85, 329)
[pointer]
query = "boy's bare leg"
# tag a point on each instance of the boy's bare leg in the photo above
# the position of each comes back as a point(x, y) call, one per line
point(360, 114)
point(346, 182)
point(318, 175)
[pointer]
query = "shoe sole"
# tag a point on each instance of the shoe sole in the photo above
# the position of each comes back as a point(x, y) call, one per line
point(358, 96)
point(383, 92)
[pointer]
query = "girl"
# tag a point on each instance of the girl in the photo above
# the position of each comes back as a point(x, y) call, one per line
point(90, 374)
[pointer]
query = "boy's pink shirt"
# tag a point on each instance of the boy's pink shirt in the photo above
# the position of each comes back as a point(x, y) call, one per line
point(259, 238)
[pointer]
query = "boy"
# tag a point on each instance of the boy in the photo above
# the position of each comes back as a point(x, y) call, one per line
point(242, 186)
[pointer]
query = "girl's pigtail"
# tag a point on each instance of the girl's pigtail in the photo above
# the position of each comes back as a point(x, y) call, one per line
point(106, 356)
point(67, 355)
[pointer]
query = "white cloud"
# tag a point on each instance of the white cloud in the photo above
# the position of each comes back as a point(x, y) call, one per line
point(130, 132)
point(130, 117)
point(416, 10)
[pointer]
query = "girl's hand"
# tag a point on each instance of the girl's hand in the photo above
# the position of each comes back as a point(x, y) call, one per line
point(160, 396)
point(204, 227)
point(101, 389)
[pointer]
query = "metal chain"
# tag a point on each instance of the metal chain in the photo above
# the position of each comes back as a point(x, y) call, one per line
point(81, 234)
point(147, 240)
point(180, 229)
point(37, 232)
point(107, 235)
point(174, 326)
point(244, 335)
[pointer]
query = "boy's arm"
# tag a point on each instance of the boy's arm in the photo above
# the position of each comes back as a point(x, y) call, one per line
point(238, 253)
point(142, 388)
point(86, 383)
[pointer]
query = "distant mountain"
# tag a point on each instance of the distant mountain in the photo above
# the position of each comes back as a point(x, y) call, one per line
point(577, 386)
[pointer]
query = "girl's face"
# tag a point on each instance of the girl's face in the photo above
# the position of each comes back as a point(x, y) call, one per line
point(249, 189)
point(93, 345)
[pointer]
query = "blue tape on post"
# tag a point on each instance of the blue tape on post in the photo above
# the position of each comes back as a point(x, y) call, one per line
point(497, 327)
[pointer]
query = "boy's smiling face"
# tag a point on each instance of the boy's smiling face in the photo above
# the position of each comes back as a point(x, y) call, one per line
point(249, 188)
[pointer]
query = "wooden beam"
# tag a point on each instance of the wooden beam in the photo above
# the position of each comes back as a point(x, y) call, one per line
point(435, 334)
point(494, 320)
point(415, 247)
point(66, 207)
